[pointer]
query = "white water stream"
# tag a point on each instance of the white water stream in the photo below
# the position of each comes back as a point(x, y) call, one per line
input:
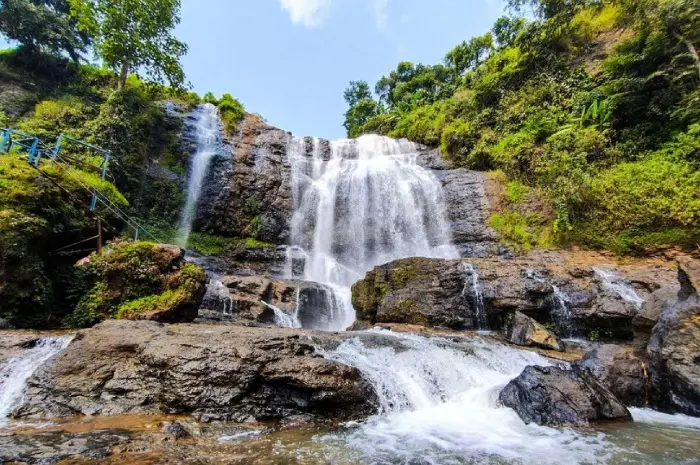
point(367, 203)
point(208, 130)
point(15, 372)
point(619, 285)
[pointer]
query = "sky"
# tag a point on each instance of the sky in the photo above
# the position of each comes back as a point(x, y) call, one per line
point(290, 60)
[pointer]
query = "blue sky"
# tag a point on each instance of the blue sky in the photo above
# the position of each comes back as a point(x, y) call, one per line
point(290, 60)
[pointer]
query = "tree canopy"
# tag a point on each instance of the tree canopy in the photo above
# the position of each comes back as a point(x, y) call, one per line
point(43, 25)
point(135, 36)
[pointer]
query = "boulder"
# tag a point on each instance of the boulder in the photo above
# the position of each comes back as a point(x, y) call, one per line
point(643, 323)
point(226, 373)
point(674, 349)
point(140, 281)
point(618, 369)
point(553, 396)
point(524, 331)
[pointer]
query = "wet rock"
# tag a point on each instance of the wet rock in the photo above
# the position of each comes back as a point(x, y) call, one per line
point(52, 447)
point(13, 343)
point(618, 369)
point(643, 323)
point(175, 430)
point(549, 287)
point(674, 349)
point(226, 373)
point(468, 211)
point(254, 199)
point(553, 396)
point(524, 331)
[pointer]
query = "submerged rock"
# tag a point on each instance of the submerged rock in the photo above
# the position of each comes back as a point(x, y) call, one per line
point(674, 348)
point(554, 396)
point(212, 372)
point(618, 369)
point(55, 446)
point(524, 331)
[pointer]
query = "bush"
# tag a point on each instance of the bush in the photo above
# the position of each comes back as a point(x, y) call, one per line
point(231, 112)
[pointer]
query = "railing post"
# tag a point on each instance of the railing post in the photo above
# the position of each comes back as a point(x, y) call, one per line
point(33, 151)
point(5, 139)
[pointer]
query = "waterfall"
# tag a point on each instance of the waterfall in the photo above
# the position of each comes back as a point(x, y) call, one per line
point(358, 204)
point(17, 370)
point(471, 280)
point(561, 313)
point(618, 285)
point(208, 130)
point(438, 403)
point(282, 318)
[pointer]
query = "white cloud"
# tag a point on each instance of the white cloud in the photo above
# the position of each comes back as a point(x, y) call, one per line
point(309, 13)
point(381, 14)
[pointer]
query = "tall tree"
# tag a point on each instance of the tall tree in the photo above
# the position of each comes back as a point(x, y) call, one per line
point(469, 55)
point(506, 29)
point(362, 107)
point(43, 25)
point(135, 36)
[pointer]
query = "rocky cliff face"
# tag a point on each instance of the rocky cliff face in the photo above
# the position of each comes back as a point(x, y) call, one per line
point(248, 193)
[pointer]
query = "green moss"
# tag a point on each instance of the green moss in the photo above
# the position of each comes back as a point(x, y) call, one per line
point(251, 243)
point(136, 309)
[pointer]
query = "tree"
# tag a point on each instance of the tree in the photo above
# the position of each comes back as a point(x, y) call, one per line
point(506, 29)
point(43, 25)
point(362, 107)
point(135, 36)
point(469, 55)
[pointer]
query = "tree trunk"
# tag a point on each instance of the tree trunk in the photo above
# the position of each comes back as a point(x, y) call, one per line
point(694, 53)
point(122, 77)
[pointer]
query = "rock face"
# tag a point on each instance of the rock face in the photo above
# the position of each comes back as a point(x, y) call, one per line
point(211, 372)
point(249, 193)
point(546, 286)
point(674, 350)
point(524, 331)
point(553, 396)
point(620, 371)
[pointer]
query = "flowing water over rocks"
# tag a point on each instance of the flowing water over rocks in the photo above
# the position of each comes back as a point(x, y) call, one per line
point(359, 204)
point(208, 132)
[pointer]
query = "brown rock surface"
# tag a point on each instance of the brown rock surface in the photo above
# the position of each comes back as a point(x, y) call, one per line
point(212, 372)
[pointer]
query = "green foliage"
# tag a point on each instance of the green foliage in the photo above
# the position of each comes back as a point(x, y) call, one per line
point(43, 26)
point(591, 103)
point(134, 36)
point(231, 112)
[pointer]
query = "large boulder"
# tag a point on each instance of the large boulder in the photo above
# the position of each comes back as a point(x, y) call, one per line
point(618, 369)
point(524, 331)
point(674, 348)
point(554, 396)
point(140, 281)
point(548, 286)
point(212, 372)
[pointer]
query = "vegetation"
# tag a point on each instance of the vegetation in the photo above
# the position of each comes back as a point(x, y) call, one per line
point(591, 109)
point(135, 280)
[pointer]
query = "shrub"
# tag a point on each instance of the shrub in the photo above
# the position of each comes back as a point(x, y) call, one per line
point(231, 112)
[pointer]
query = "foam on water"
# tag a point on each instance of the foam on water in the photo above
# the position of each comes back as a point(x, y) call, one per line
point(645, 415)
point(15, 372)
point(439, 404)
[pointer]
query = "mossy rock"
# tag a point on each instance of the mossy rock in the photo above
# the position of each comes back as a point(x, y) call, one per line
point(140, 281)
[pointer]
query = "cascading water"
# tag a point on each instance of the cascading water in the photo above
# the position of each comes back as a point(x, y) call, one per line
point(208, 129)
point(618, 285)
point(438, 402)
point(17, 370)
point(367, 203)
point(561, 313)
point(471, 280)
